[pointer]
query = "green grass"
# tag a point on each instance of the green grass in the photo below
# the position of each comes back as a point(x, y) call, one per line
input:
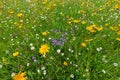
point(98, 60)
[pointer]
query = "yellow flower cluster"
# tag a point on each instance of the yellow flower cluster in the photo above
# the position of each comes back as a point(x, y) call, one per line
point(118, 39)
point(19, 14)
point(11, 11)
point(84, 44)
point(117, 6)
point(116, 29)
point(94, 28)
point(76, 21)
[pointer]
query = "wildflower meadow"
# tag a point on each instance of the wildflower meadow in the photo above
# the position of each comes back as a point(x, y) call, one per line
point(59, 39)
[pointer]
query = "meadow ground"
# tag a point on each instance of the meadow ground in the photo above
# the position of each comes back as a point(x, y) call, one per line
point(59, 40)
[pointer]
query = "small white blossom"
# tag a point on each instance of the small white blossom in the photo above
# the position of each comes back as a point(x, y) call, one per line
point(87, 70)
point(44, 72)
point(1, 66)
point(74, 38)
point(79, 53)
point(88, 49)
point(43, 68)
point(76, 65)
point(84, 75)
point(72, 51)
point(49, 38)
point(115, 64)
point(104, 59)
point(70, 62)
point(99, 49)
point(76, 70)
point(13, 74)
point(31, 44)
point(28, 64)
point(72, 76)
point(58, 51)
point(69, 49)
point(7, 51)
point(27, 0)
point(38, 70)
point(38, 38)
point(103, 71)
point(32, 48)
point(4, 38)
point(62, 54)
point(67, 58)
point(43, 39)
point(11, 39)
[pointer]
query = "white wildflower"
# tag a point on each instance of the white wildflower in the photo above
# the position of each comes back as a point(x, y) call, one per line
point(43, 68)
point(38, 70)
point(103, 71)
point(31, 44)
point(62, 54)
point(72, 76)
point(99, 49)
point(13, 74)
point(44, 72)
point(28, 64)
point(1, 66)
point(58, 51)
point(32, 47)
point(115, 64)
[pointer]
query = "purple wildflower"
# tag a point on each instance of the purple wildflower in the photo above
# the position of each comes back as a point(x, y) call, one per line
point(54, 41)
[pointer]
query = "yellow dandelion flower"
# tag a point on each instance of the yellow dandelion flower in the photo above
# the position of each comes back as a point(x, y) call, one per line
point(48, 8)
point(106, 24)
point(95, 13)
point(44, 33)
point(99, 29)
point(89, 40)
point(11, 11)
point(100, 9)
point(91, 29)
point(19, 14)
point(20, 26)
point(113, 28)
point(83, 3)
point(15, 54)
point(3, 59)
point(83, 22)
point(76, 21)
point(118, 32)
point(117, 6)
point(65, 63)
point(20, 76)
point(118, 39)
point(44, 2)
point(54, 5)
point(15, 23)
point(69, 22)
point(83, 44)
point(44, 49)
